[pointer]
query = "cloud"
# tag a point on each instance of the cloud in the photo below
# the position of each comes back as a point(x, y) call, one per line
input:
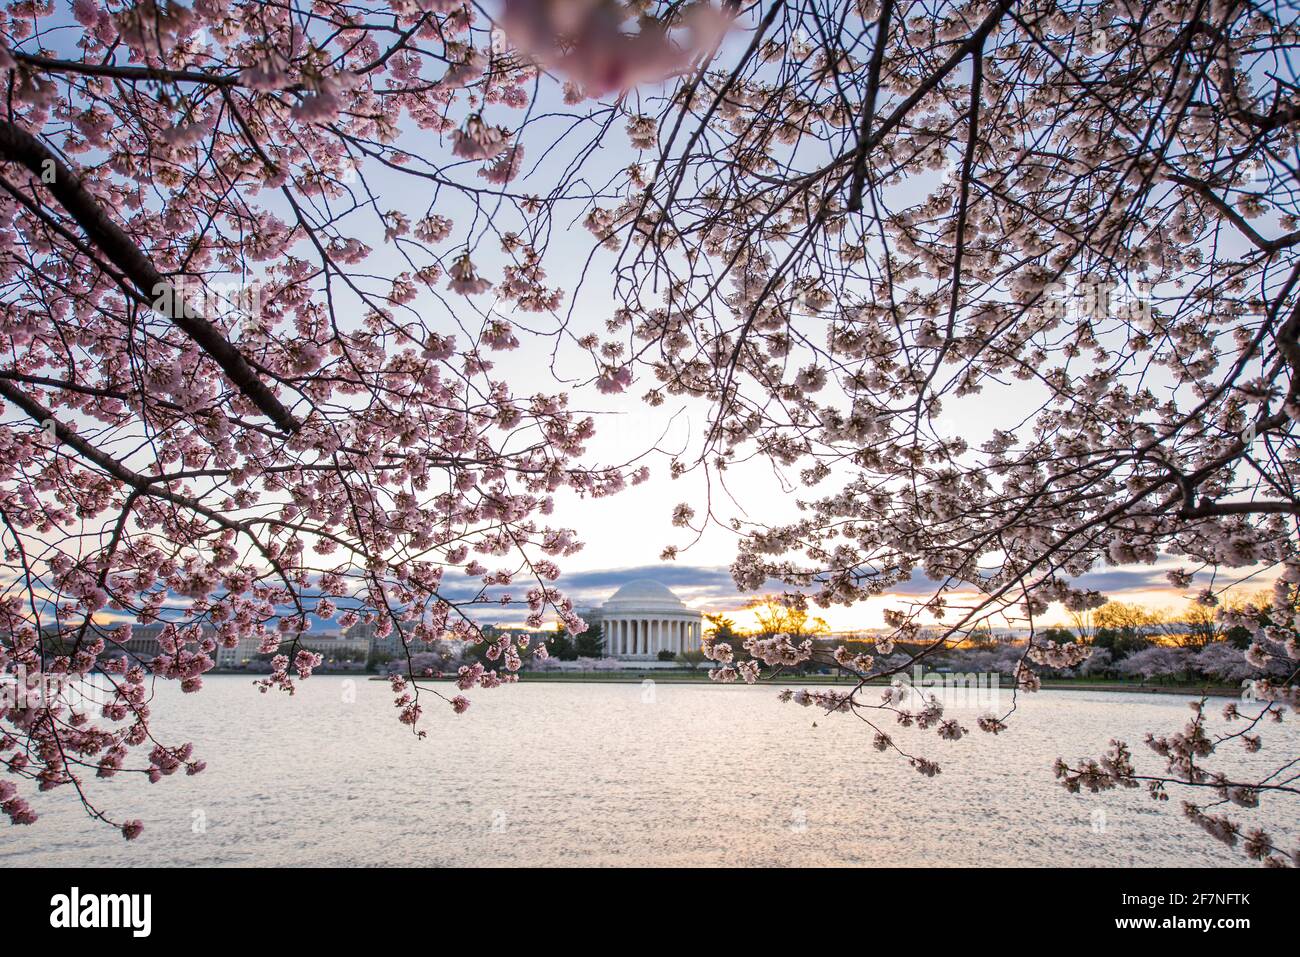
point(713, 587)
point(1121, 579)
point(707, 587)
point(1111, 579)
point(601, 584)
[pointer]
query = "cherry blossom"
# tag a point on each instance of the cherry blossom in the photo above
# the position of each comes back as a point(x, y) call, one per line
point(327, 446)
point(1004, 293)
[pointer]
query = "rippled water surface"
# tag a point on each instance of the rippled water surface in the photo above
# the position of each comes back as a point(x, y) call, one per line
point(681, 774)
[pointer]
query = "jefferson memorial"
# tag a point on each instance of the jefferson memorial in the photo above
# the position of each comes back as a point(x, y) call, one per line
point(644, 618)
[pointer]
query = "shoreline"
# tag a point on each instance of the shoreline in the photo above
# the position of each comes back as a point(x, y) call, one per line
point(635, 677)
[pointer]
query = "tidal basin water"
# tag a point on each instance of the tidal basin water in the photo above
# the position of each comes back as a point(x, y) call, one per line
point(623, 774)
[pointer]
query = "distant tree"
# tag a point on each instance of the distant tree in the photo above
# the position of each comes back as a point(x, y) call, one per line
point(562, 646)
point(720, 628)
point(1057, 634)
point(979, 659)
point(980, 636)
point(1098, 664)
point(1130, 619)
point(1120, 643)
point(591, 643)
point(861, 646)
point(691, 659)
point(1220, 659)
point(786, 614)
point(1158, 661)
point(1123, 628)
point(667, 655)
point(426, 663)
point(1197, 627)
point(1084, 626)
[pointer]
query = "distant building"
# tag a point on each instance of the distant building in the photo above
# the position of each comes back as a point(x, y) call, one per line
point(237, 657)
point(143, 646)
point(366, 632)
point(333, 646)
point(143, 643)
point(644, 618)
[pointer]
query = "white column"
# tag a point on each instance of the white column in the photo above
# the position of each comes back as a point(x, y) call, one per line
point(622, 636)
